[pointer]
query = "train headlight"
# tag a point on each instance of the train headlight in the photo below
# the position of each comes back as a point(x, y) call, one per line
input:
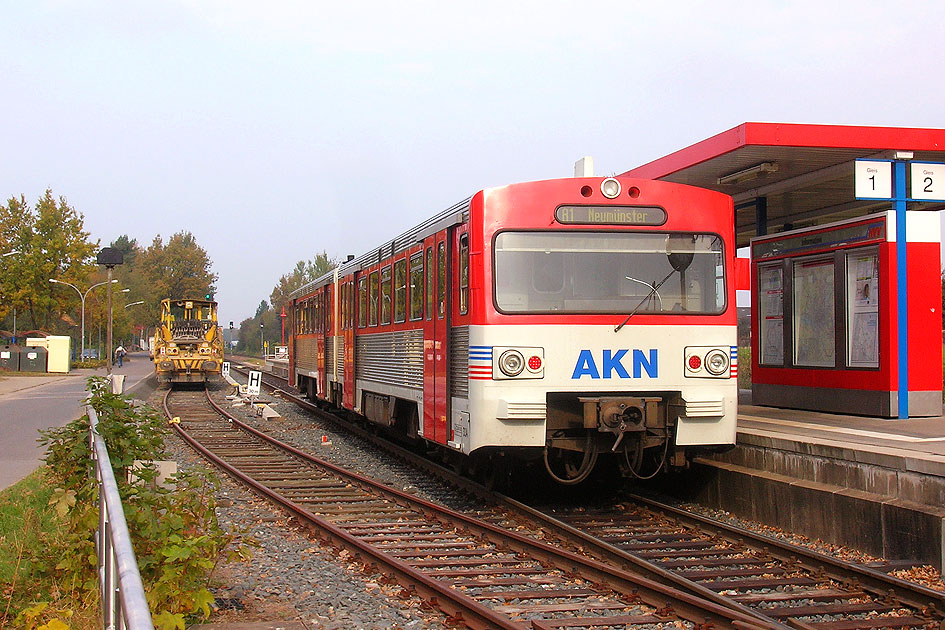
point(709, 362)
point(511, 362)
point(716, 362)
point(610, 188)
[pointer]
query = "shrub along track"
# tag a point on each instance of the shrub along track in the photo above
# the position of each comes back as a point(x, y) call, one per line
point(481, 575)
point(755, 574)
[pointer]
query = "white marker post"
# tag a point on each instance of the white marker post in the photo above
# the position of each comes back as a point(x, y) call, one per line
point(254, 383)
point(225, 370)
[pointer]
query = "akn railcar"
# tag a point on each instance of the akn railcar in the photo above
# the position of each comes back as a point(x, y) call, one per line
point(565, 321)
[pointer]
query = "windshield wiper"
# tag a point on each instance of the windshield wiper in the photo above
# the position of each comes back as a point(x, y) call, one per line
point(654, 289)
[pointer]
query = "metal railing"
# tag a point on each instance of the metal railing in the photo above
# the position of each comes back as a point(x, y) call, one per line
point(124, 604)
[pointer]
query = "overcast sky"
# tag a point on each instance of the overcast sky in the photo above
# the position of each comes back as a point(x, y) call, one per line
point(275, 130)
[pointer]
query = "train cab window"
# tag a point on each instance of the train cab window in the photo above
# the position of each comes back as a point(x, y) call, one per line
point(362, 302)
point(429, 286)
point(385, 295)
point(441, 280)
point(416, 287)
point(463, 274)
point(400, 291)
point(597, 272)
point(372, 298)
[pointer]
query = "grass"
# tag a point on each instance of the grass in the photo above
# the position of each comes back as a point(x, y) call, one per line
point(25, 517)
point(28, 524)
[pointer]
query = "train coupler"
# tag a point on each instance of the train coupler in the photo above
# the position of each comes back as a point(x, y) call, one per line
point(621, 414)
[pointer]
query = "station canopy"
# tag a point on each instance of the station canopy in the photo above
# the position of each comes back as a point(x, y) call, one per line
point(789, 176)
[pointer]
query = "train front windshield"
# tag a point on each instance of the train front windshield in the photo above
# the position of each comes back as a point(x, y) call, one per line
point(622, 272)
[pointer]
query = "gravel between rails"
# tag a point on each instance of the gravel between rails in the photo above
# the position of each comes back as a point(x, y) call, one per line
point(291, 575)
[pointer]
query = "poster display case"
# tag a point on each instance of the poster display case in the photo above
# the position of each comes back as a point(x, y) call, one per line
point(824, 315)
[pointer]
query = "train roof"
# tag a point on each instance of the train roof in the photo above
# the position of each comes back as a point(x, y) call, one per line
point(455, 214)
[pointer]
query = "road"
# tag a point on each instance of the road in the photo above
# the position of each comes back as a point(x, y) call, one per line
point(29, 404)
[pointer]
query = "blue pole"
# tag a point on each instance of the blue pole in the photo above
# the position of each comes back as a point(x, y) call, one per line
point(902, 305)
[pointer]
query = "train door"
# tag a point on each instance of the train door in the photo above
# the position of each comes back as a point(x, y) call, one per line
point(322, 330)
point(435, 337)
point(349, 328)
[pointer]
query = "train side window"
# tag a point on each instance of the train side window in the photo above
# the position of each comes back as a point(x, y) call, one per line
point(441, 280)
point(351, 310)
point(385, 295)
point(329, 311)
point(362, 302)
point(429, 283)
point(416, 287)
point(372, 295)
point(463, 274)
point(400, 291)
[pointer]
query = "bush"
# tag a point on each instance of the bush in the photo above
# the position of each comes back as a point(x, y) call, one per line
point(176, 537)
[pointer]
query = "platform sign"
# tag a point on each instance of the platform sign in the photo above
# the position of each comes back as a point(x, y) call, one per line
point(225, 369)
point(872, 179)
point(928, 181)
point(254, 383)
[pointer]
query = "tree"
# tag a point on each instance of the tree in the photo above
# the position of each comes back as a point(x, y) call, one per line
point(53, 244)
point(304, 272)
point(179, 269)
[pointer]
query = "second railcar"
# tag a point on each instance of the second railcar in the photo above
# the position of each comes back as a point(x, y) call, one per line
point(564, 321)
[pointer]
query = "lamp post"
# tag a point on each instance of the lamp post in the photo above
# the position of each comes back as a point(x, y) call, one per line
point(82, 296)
point(134, 303)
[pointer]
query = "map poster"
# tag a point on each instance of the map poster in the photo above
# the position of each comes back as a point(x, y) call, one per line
point(863, 308)
point(771, 306)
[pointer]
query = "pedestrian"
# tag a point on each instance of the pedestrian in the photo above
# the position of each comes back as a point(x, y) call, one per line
point(119, 354)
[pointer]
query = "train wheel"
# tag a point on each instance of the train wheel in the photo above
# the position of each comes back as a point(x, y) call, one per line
point(568, 467)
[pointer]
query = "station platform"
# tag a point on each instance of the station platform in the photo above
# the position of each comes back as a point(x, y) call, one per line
point(875, 484)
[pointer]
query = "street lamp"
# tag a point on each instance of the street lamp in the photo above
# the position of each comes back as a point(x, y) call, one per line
point(134, 303)
point(83, 296)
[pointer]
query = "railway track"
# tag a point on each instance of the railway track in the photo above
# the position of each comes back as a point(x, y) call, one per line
point(772, 581)
point(481, 575)
point(757, 574)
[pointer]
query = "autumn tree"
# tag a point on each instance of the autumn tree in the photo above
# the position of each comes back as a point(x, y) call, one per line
point(52, 244)
point(304, 272)
point(178, 269)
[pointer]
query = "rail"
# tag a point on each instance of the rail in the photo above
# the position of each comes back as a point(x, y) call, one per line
point(124, 604)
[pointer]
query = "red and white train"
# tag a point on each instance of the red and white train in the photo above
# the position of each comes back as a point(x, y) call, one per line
point(568, 321)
